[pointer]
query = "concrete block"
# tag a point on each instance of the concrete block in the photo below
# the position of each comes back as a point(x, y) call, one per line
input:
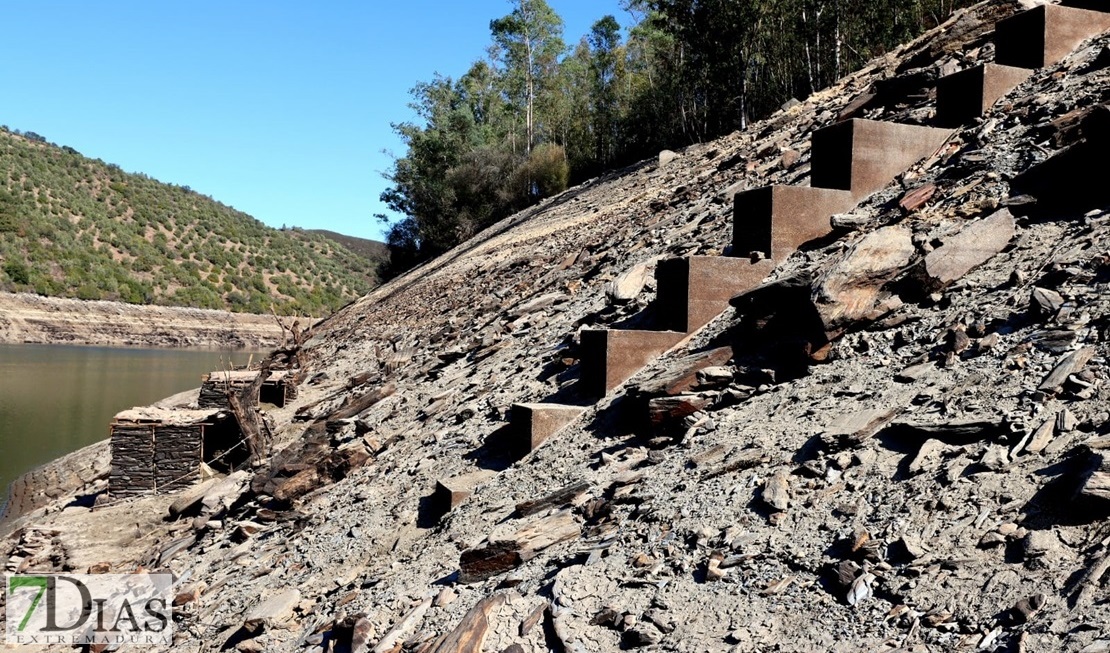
point(1046, 34)
point(533, 424)
point(611, 357)
point(966, 95)
point(1072, 181)
point(1097, 5)
point(863, 156)
point(693, 290)
point(451, 492)
point(776, 220)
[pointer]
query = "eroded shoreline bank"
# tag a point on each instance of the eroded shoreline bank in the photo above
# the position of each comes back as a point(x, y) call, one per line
point(31, 319)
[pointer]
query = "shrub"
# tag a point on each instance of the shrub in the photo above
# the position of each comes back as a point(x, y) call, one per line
point(548, 169)
point(18, 272)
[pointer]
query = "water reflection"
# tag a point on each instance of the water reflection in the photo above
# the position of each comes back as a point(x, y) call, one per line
point(55, 399)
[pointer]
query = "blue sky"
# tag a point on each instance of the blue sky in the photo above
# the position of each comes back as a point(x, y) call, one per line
point(280, 109)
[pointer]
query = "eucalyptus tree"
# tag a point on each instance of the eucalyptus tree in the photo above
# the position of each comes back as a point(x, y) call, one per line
point(528, 43)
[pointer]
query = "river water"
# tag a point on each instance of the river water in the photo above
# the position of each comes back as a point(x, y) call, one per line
point(55, 399)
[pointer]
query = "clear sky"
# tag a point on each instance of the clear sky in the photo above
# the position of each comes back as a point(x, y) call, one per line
point(278, 108)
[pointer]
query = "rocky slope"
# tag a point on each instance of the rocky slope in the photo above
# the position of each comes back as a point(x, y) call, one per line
point(928, 479)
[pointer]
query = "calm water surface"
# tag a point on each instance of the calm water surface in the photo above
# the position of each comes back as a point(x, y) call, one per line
point(55, 399)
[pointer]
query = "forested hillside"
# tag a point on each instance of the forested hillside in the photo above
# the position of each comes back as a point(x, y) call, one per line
point(374, 250)
point(539, 114)
point(71, 226)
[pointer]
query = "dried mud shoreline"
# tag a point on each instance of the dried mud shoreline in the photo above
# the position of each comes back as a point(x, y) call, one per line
point(30, 319)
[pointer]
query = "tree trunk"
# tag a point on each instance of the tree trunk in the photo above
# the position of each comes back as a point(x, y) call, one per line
point(809, 54)
point(245, 408)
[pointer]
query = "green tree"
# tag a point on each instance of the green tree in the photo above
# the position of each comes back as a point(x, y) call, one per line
point(605, 53)
point(528, 42)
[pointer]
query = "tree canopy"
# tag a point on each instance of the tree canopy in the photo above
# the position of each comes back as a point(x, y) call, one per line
point(537, 114)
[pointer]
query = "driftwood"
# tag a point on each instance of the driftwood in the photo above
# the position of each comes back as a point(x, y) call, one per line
point(555, 499)
point(852, 429)
point(956, 432)
point(402, 628)
point(533, 619)
point(1068, 365)
point(500, 556)
point(471, 632)
point(353, 407)
point(244, 406)
point(1097, 483)
point(1089, 584)
point(743, 460)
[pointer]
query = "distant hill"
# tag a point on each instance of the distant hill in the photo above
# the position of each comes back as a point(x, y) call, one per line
point(71, 226)
point(374, 250)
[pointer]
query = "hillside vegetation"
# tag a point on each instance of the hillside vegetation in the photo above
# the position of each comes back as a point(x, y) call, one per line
point(372, 249)
point(71, 226)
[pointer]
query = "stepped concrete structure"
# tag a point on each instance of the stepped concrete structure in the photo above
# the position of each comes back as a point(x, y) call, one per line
point(611, 357)
point(863, 156)
point(849, 160)
point(967, 95)
point(776, 220)
point(693, 290)
point(1046, 34)
point(533, 424)
point(451, 492)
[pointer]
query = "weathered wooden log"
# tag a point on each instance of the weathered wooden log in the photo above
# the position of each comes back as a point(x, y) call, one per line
point(1068, 365)
point(403, 628)
point(557, 498)
point(682, 376)
point(244, 405)
point(356, 405)
point(500, 556)
point(1097, 483)
point(470, 634)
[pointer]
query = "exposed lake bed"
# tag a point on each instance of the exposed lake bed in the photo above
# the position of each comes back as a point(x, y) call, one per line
point(26, 318)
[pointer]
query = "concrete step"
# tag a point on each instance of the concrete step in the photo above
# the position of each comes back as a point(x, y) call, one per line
point(776, 220)
point(863, 156)
point(611, 357)
point(1097, 5)
point(1046, 34)
point(693, 290)
point(451, 492)
point(533, 424)
point(966, 95)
